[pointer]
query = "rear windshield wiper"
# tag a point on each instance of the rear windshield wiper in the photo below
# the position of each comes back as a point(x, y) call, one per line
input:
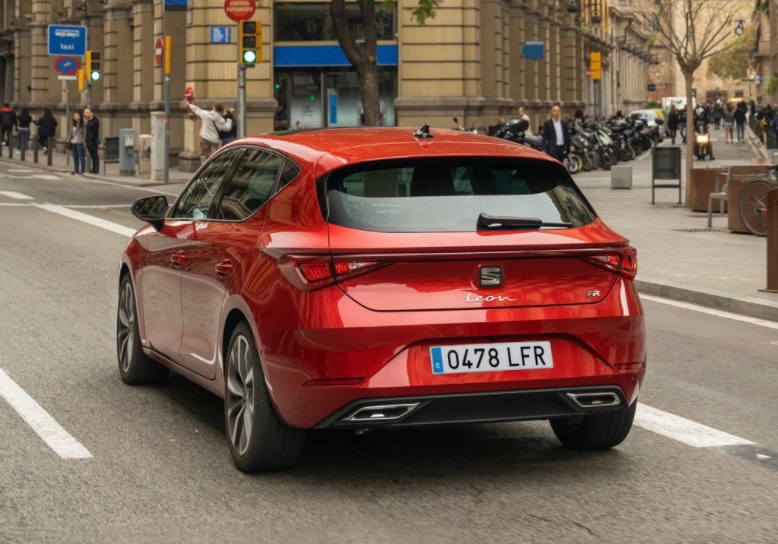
point(492, 222)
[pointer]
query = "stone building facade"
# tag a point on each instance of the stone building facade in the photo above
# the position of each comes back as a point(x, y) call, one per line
point(466, 62)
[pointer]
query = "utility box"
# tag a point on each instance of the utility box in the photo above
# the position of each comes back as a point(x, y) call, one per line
point(621, 177)
point(127, 152)
point(144, 155)
point(158, 124)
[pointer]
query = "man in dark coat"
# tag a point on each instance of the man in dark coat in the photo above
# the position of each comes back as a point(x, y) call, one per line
point(92, 139)
point(557, 140)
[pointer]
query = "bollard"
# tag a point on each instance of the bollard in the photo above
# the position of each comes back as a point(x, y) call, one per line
point(35, 149)
point(11, 144)
point(49, 150)
point(772, 241)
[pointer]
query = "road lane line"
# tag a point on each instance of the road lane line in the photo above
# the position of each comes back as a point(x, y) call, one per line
point(41, 422)
point(89, 219)
point(712, 311)
point(15, 195)
point(684, 430)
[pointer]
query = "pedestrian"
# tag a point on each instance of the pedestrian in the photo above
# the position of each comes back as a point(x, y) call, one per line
point(718, 113)
point(213, 122)
point(740, 121)
point(672, 123)
point(76, 142)
point(7, 123)
point(47, 129)
point(682, 124)
point(231, 135)
point(24, 120)
point(557, 140)
point(524, 116)
point(728, 118)
point(92, 139)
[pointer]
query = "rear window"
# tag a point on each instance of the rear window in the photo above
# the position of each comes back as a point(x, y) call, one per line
point(436, 195)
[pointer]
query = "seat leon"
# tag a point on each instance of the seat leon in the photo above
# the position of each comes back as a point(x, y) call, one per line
point(384, 278)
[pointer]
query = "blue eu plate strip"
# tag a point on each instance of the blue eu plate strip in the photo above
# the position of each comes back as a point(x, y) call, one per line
point(437, 360)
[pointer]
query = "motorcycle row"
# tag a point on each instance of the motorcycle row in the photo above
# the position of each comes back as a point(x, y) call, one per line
point(597, 145)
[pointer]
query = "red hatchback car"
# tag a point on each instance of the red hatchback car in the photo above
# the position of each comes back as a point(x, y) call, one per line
point(384, 278)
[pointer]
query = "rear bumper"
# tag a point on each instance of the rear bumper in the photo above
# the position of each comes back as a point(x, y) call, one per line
point(475, 408)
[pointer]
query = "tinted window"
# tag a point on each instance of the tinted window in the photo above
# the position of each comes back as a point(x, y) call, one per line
point(249, 187)
point(198, 196)
point(290, 171)
point(312, 22)
point(448, 195)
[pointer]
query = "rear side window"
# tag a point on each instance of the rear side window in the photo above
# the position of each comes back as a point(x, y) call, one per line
point(449, 195)
point(249, 187)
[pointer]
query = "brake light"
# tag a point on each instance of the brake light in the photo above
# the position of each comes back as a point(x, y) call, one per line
point(310, 272)
point(623, 261)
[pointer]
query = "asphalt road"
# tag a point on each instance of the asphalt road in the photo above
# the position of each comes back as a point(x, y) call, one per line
point(160, 470)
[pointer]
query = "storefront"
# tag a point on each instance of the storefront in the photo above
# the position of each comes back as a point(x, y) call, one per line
point(314, 83)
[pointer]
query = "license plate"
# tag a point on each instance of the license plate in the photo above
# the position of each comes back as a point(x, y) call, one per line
point(491, 357)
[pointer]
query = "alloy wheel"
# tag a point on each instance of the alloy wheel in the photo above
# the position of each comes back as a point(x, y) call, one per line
point(125, 333)
point(240, 394)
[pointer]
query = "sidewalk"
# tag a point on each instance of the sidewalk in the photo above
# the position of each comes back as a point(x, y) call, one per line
point(678, 256)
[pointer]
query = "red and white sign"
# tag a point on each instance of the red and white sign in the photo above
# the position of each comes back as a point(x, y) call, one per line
point(240, 10)
point(159, 51)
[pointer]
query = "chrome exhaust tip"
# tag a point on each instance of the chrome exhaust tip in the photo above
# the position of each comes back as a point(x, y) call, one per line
point(594, 400)
point(384, 412)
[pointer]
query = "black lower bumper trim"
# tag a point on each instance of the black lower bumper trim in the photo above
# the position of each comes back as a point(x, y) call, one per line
point(488, 407)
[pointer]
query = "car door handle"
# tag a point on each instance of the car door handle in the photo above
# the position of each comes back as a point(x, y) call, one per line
point(178, 259)
point(224, 268)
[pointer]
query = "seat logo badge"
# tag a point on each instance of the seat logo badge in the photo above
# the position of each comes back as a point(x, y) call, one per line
point(490, 276)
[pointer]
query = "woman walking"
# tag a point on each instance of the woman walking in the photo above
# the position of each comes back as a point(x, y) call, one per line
point(47, 128)
point(23, 129)
point(76, 142)
point(729, 123)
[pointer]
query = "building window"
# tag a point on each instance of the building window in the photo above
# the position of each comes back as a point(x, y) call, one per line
point(294, 22)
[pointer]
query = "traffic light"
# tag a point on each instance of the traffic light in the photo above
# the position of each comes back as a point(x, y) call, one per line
point(250, 41)
point(93, 69)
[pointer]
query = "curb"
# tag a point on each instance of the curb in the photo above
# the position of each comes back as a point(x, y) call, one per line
point(710, 298)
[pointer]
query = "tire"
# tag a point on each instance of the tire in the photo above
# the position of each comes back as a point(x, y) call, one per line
point(588, 162)
point(596, 431)
point(258, 440)
point(135, 368)
point(753, 206)
point(573, 163)
point(606, 160)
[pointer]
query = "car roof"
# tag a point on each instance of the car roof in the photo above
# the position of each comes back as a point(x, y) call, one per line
point(336, 147)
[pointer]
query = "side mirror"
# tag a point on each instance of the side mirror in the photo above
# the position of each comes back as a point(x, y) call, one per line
point(152, 210)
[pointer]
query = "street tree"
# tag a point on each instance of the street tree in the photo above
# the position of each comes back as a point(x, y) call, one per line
point(693, 30)
point(735, 62)
point(362, 51)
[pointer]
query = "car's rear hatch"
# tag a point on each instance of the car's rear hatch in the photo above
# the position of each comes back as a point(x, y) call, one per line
point(468, 234)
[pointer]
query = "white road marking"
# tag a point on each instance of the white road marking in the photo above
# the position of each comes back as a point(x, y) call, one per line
point(20, 171)
point(16, 204)
point(15, 195)
point(47, 177)
point(41, 422)
point(89, 219)
point(99, 206)
point(711, 311)
point(684, 430)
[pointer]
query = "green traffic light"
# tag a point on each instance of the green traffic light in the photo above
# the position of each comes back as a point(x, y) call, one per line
point(94, 76)
point(249, 57)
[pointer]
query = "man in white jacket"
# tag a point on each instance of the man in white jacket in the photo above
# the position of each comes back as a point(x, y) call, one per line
point(213, 122)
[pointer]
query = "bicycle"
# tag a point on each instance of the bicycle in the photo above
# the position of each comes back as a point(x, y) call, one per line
point(753, 202)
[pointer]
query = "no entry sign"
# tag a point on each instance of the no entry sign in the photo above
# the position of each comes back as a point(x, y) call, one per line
point(240, 10)
point(159, 51)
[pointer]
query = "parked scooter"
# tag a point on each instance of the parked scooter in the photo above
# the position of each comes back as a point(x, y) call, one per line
point(702, 144)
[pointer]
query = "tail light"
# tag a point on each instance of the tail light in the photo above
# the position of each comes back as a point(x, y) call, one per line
point(623, 261)
point(310, 272)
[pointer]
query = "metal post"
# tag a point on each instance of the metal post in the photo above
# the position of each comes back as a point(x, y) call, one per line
point(88, 91)
point(168, 69)
point(241, 100)
point(772, 241)
point(49, 150)
point(68, 122)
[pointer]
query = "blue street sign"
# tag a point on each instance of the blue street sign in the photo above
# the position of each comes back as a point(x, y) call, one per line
point(67, 40)
point(221, 34)
point(175, 5)
point(651, 87)
point(533, 50)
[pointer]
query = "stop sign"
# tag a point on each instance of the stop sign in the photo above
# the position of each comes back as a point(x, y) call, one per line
point(159, 51)
point(240, 10)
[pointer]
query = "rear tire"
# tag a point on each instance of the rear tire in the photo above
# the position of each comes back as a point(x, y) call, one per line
point(595, 431)
point(135, 368)
point(259, 441)
point(753, 206)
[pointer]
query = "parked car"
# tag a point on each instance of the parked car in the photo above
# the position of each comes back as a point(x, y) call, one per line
point(384, 278)
point(650, 115)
